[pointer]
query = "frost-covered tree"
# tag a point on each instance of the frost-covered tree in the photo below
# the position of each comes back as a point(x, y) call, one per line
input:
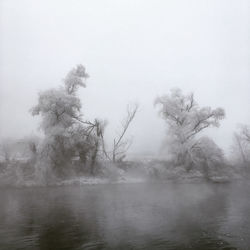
point(185, 120)
point(245, 134)
point(241, 148)
point(30, 147)
point(206, 154)
point(66, 134)
point(60, 108)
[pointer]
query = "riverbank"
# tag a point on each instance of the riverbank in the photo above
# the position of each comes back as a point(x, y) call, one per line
point(26, 175)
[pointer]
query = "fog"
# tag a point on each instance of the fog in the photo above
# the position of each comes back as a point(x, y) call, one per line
point(159, 216)
point(133, 52)
point(124, 124)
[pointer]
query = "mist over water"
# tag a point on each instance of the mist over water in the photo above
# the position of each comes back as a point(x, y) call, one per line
point(127, 216)
point(124, 124)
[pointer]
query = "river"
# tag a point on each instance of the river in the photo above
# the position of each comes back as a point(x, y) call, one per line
point(126, 216)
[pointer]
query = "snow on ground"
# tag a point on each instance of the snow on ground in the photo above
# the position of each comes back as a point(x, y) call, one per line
point(97, 180)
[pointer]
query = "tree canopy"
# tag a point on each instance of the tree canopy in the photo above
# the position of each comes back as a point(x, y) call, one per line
point(185, 120)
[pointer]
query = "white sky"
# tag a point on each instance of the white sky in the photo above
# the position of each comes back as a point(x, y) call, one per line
point(133, 50)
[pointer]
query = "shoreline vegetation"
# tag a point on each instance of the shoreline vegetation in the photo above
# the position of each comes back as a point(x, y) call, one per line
point(22, 174)
point(74, 150)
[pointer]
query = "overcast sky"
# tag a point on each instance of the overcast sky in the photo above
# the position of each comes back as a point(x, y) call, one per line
point(133, 50)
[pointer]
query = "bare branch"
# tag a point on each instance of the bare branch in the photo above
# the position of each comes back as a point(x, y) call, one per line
point(119, 143)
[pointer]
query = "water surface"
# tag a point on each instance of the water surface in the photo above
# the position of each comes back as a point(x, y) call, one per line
point(126, 216)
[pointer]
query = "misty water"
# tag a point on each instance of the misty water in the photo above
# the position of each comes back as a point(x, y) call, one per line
point(126, 216)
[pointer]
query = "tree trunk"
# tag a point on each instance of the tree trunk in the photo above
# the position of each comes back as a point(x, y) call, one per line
point(93, 158)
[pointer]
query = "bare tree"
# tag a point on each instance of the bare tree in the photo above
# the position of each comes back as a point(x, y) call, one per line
point(121, 146)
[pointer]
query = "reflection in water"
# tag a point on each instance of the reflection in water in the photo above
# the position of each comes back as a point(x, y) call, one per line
point(126, 216)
